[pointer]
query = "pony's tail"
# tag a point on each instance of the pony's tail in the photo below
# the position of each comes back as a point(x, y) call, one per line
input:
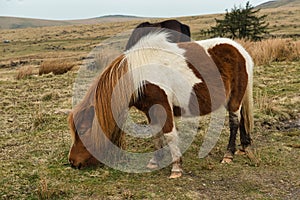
point(247, 107)
point(247, 110)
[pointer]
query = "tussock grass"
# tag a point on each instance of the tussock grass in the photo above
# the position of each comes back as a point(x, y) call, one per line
point(56, 67)
point(24, 72)
point(263, 102)
point(273, 50)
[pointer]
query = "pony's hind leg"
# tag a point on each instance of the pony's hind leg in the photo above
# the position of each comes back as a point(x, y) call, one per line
point(234, 126)
point(246, 142)
point(244, 136)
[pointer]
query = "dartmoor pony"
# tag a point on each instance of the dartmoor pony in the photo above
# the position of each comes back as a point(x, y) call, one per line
point(185, 79)
point(178, 32)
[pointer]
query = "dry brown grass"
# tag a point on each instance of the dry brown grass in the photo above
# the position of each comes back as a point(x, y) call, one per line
point(273, 50)
point(24, 72)
point(56, 67)
point(264, 102)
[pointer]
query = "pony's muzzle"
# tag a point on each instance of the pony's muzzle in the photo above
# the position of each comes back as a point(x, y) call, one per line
point(80, 164)
point(73, 165)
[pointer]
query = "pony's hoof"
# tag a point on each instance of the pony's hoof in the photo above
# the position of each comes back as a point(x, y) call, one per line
point(240, 152)
point(175, 175)
point(152, 165)
point(227, 158)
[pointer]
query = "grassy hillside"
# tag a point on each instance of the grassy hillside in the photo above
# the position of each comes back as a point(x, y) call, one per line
point(286, 23)
point(33, 45)
point(283, 21)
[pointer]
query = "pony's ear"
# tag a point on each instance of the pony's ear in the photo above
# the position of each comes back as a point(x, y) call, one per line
point(90, 113)
point(82, 120)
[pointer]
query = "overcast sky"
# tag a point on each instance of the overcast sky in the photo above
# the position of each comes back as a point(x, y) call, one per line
point(81, 9)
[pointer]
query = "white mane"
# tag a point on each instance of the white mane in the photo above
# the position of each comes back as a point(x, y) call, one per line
point(156, 40)
point(153, 55)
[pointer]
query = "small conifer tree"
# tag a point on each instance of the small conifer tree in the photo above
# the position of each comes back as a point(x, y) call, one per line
point(240, 23)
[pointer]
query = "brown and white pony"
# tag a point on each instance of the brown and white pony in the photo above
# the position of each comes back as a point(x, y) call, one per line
point(178, 31)
point(205, 75)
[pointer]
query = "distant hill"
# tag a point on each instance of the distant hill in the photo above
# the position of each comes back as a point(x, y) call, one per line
point(119, 16)
point(279, 3)
point(16, 22)
point(106, 18)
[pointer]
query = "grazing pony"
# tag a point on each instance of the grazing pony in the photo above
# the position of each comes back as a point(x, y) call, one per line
point(178, 32)
point(205, 75)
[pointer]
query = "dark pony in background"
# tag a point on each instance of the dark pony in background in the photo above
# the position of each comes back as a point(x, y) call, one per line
point(186, 79)
point(179, 32)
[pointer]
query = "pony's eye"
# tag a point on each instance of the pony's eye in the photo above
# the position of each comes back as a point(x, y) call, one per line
point(81, 132)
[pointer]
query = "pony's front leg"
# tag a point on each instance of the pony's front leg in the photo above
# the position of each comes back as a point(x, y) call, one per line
point(172, 141)
point(158, 154)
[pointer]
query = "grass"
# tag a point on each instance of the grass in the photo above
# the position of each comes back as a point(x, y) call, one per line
point(35, 140)
point(24, 72)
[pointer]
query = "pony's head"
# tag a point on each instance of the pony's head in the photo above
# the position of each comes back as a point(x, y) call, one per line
point(93, 127)
point(80, 124)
